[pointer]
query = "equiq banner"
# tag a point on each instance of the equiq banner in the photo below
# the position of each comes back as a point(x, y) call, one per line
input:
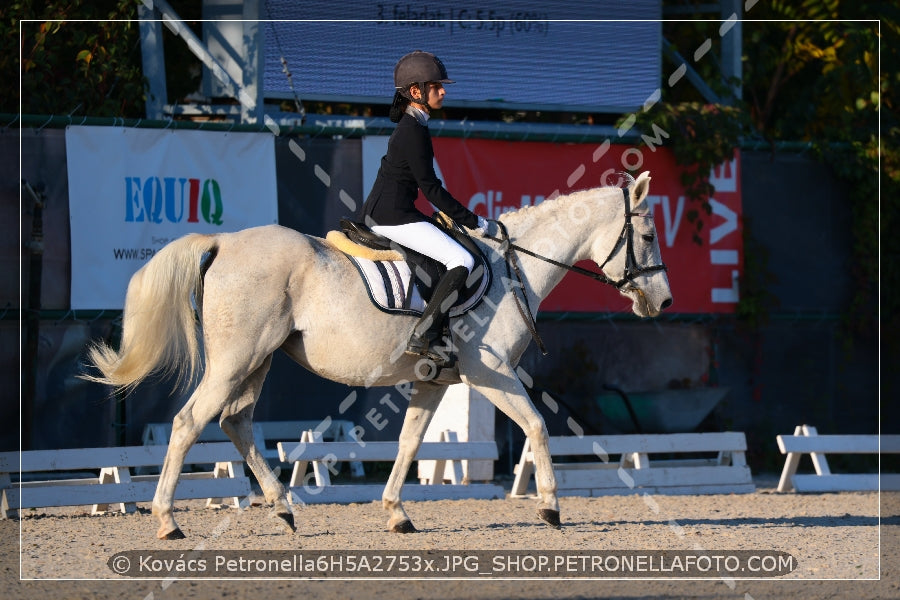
point(131, 191)
point(492, 177)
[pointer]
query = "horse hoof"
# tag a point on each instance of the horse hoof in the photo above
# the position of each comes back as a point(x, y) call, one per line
point(175, 534)
point(404, 527)
point(551, 517)
point(286, 519)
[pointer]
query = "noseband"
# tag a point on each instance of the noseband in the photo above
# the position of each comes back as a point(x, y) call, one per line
point(632, 269)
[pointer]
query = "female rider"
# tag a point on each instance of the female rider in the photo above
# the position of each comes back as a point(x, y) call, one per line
point(408, 166)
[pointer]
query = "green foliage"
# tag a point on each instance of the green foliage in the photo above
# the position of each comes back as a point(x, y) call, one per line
point(72, 67)
point(811, 80)
point(810, 74)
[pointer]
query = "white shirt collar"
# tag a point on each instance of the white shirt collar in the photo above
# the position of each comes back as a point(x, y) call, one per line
point(420, 115)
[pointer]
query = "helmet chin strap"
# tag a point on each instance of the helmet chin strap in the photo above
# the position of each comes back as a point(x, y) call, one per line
point(423, 92)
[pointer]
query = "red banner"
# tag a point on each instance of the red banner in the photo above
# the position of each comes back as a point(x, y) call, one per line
point(492, 177)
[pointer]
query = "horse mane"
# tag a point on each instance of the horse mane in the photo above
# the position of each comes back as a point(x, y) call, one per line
point(551, 203)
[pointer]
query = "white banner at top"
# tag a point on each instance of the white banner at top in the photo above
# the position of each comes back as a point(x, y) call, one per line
point(131, 191)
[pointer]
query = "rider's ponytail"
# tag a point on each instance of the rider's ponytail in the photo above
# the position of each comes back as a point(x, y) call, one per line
point(399, 106)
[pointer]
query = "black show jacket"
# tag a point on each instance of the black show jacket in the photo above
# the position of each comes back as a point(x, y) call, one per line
point(407, 167)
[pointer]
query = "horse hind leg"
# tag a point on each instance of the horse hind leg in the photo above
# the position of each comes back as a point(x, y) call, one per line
point(237, 422)
point(187, 425)
point(423, 402)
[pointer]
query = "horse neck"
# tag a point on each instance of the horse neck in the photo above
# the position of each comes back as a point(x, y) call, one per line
point(565, 230)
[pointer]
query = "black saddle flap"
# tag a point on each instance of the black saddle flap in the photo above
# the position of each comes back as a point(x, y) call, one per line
point(361, 234)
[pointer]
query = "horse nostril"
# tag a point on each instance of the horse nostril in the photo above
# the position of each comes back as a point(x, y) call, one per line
point(666, 304)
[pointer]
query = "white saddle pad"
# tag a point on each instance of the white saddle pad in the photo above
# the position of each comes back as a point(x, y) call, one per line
point(390, 288)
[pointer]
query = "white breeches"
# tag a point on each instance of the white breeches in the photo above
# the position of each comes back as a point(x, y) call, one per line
point(425, 238)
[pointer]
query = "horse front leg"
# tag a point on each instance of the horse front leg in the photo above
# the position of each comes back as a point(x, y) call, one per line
point(423, 402)
point(496, 380)
point(237, 422)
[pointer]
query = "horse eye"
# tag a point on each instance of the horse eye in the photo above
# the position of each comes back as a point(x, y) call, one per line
point(649, 237)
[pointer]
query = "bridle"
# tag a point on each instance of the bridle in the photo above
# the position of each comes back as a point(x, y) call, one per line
point(632, 269)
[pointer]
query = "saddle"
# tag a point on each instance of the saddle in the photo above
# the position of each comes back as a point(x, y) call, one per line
point(400, 280)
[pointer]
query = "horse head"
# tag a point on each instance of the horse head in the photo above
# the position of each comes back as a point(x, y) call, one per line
point(635, 263)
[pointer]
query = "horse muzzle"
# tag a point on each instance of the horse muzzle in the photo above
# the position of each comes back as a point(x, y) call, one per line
point(644, 305)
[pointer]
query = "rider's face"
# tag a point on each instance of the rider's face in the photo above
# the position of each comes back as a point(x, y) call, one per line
point(435, 95)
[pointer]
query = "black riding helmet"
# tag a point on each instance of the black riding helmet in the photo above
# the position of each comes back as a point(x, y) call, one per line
point(417, 68)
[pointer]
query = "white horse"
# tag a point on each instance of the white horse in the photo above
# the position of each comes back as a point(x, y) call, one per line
point(270, 287)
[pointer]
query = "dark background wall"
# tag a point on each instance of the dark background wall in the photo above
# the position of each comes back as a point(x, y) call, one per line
point(797, 366)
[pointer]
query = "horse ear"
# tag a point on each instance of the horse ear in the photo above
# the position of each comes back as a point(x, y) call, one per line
point(641, 187)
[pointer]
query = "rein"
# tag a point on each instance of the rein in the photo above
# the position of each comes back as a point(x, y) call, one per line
point(632, 269)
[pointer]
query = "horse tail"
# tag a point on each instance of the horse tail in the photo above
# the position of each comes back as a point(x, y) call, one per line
point(160, 334)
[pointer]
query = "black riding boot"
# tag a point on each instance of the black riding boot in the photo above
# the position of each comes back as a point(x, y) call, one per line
point(431, 324)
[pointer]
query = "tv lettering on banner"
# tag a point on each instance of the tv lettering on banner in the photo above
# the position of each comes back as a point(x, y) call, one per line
point(492, 177)
point(132, 191)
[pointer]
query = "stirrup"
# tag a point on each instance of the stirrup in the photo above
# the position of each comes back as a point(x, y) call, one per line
point(421, 346)
point(439, 360)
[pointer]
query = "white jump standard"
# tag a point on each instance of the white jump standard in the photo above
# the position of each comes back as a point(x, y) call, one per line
point(806, 440)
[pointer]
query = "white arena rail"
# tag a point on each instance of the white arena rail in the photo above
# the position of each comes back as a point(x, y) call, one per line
point(724, 472)
point(316, 487)
point(44, 483)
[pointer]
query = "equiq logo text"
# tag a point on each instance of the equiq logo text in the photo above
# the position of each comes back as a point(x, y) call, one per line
point(172, 200)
